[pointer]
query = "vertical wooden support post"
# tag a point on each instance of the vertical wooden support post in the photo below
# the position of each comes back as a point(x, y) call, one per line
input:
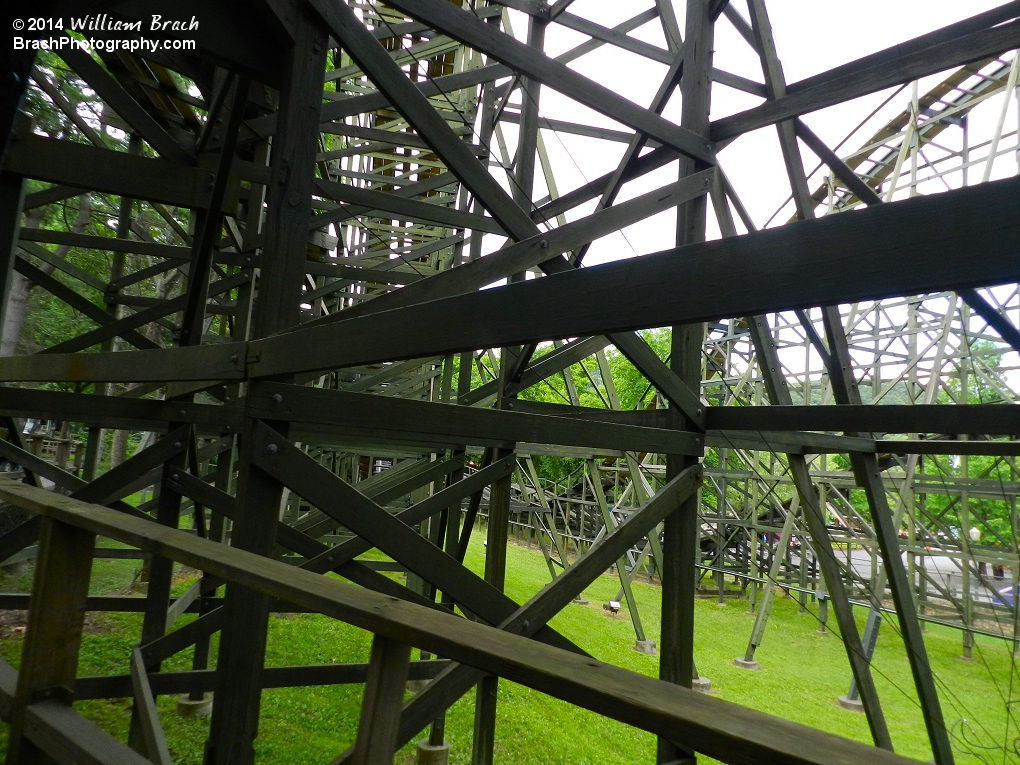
point(769, 592)
point(779, 393)
point(499, 496)
point(125, 216)
point(243, 641)
point(211, 223)
point(157, 601)
point(200, 659)
point(379, 724)
point(869, 478)
point(814, 516)
point(56, 616)
point(495, 574)
point(680, 529)
point(966, 523)
point(621, 565)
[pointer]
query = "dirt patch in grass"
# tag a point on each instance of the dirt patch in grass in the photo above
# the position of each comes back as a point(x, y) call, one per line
point(13, 623)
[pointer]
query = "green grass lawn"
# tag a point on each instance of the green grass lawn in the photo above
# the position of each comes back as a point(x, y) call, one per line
point(802, 673)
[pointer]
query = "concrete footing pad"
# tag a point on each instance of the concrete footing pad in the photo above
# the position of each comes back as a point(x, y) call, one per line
point(743, 663)
point(853, 705)
point(702, 684)
point(432, 754)
point(645, 646)
point(16, 569)
point(190, 708)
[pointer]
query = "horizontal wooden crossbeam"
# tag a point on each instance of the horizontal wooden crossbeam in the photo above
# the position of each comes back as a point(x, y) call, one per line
point(717, 728)
point(964, 238)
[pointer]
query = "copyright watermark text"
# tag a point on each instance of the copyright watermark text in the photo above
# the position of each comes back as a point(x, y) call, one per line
point(100, 32)
point(102, 22)
point(132, 45)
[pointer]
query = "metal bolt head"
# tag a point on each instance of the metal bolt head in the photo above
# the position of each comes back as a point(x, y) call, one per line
point(272, 448)
point(177, 444)
point(544, 244)
point(176, 476)
point(527, 624)
point(277, 398)
point(182, 412)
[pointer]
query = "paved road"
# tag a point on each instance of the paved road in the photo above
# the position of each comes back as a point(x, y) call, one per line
point(943, 569)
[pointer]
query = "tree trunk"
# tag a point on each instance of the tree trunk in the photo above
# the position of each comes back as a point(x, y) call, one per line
point(21, 288)
point(118, 450)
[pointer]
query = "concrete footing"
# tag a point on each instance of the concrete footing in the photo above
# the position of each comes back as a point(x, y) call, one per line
point(187, 707)
point(645, 646)
point(433, 754)
point(852, 705)
point(16, 569)
point(743, 663)
point(701, 684)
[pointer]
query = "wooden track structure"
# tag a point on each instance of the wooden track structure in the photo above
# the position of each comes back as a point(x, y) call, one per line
point(299, 295)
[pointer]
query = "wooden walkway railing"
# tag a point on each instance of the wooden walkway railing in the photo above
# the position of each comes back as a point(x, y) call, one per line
point(45, 728)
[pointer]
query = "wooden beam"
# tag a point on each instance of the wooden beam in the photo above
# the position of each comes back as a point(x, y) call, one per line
point(407, 209)
point(114, 172)
point(64, 736)
point(380, 707)
point(543, 249)
point(113, 411)
point(989, 419)
point(387, 75)
point(402, 418)
point(719, 729)
point(462, 25)
point(117, 98)
point(954, 46)
point(49, 658)
point(964, 238)
point(148, 715)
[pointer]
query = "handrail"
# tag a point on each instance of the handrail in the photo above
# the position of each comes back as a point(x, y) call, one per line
point(714, 727)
